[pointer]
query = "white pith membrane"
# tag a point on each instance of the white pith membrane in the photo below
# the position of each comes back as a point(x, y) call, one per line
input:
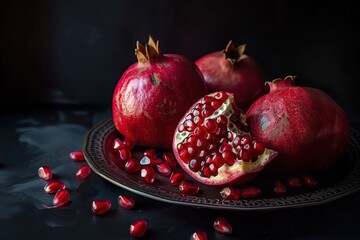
point(225, 171)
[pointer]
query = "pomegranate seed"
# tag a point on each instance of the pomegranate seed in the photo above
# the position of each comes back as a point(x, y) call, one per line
point(279, 188)
point(221, 120)
point(309, 181)
point(188, 188)
point(138, 228)
point(245, 139)
point(126, 202)
point(198, 120)
point(245, 155)
point(221, 225)
point(54, 186)
point(189, 125)
point(150, 153)
point(184, 155)
point(100, 206)
point(225, 147)
point(132, 165)
point(194, 165)
point(200, 131)
point(61, 197)
point(294, 182)
point(163, 169)
point(83, 172)
point(207, 99)
point(199, 235)
point(206, 172)
point(125, 153)
point(210, 125)
point(258, 147)
point(77, 156)
point(118, 144)
point(129, 144)
point(221, 96)
point(170, 159)
point(45, 172)
point(230, 193)
point(181, 128)
point(177, 177)
point(217, 160)
point(148, 174)
point(250, 192)
point(228, 157)
point(151, 162)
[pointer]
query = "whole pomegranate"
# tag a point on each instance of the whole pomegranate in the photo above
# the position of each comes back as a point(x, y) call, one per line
point(304, 125)
point(233, 71)
point(153, 94)
point(212, 143)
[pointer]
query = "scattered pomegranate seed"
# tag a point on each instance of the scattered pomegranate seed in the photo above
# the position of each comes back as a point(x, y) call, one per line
point(77, 156)
point(138, 228)
point(199, 235)
point(100, 206)
point(230, 193)
point(163, 169)
point(188, 188)
point(61, 197)
point(150, 152)
point(221, 225)
point(148, 174)
point(147, 161)
point(125, 153)
point(177, 177)
point(118, 144)
point(279, 188)
point(250, 192)
point(309, 181)
point(132, 165)
point(45, 172)
point(83, 172)
point(126, 202)
point(170, 159)
point(54, 186)
point(294, 182)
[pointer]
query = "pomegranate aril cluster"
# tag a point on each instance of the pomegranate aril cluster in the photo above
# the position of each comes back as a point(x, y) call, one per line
point(212, 140)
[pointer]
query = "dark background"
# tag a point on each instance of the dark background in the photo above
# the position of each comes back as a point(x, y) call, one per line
point(74, 52)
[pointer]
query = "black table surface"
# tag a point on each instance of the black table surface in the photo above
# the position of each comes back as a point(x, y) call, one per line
point(40, 137)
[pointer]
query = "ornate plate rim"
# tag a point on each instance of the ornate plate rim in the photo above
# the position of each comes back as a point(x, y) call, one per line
point(346, 186)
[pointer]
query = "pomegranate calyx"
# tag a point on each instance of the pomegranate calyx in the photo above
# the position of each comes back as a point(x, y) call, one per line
point(281, 83)
point(234, 54)
point(147, 52)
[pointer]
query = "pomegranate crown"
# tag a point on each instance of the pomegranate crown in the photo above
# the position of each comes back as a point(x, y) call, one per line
point(281, 83)
point(234, 54)
point(147, 52)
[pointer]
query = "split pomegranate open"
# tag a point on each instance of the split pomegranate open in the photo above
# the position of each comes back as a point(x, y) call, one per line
point(213, 145)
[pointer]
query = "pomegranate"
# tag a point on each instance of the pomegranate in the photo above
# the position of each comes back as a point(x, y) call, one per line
point(304, 125)
point(233, 71)
point(153, 94)
point(212, 145)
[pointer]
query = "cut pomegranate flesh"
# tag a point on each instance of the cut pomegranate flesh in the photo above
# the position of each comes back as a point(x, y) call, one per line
point(61, 197)
point(100, 206)
point(138, 228)
point(213, 145)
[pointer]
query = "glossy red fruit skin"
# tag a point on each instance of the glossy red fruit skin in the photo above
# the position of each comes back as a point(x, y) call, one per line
point(154, 95)
point(243, 77)
point(100, 206)
point(306, 126)
point(138, 228)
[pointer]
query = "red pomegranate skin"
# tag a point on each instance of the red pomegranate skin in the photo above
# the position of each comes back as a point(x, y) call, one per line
point(242, 77)
point(306, 126)
point(151, 97)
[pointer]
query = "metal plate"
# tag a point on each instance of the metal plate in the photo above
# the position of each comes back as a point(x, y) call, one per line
point(337, 182)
